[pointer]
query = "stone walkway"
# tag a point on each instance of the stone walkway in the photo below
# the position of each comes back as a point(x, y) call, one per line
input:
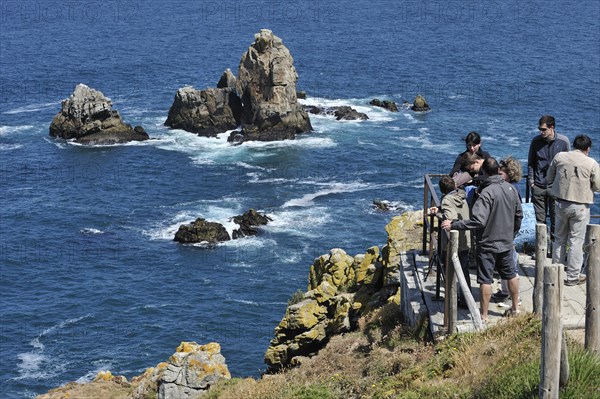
point(573, 310)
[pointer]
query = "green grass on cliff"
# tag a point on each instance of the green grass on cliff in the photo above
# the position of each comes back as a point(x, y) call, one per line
point(385, 360)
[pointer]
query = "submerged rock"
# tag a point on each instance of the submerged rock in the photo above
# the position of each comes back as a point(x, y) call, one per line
point(87, 116)
point(248, 221)
point(201, 231)
point(206, 112)
point(420, 104)
point(343, 112)
point(267, 85)
point(387, 104)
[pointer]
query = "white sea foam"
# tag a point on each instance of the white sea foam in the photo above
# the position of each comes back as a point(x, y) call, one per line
point(303, 222)
point(99, 365)
point(35, 364)
point(32, 108)
point(10, 130)
point(9, 147)
point(91, 230)
point(307, 141)
point(333, 188)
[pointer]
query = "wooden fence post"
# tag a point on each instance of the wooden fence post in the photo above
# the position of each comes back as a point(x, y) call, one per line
point(592, 301)
point(551, 333)
point(451, 283)
point(541, 247)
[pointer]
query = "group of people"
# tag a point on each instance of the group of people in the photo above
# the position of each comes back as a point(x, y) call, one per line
point(480, 196)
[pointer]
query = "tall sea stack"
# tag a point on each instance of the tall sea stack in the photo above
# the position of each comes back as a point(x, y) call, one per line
point(267, 84)
point(262, 99)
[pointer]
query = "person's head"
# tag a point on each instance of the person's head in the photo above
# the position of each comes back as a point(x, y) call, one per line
point(490, 167)
point(471, 162)
point(546, 126)
point(473, 142)
point(511, 170)
point(447, 184)
point(582, 143)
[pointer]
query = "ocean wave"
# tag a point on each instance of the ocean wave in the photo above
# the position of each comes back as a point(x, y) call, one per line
point(303, 222)
point(91, 230)
point(5, 129)
point(35, 364)
point(9, 147)
point(334, 188)
point(32, 108)
point(306, 141)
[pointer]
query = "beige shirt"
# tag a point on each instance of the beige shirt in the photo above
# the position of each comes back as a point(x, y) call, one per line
point(573, 176)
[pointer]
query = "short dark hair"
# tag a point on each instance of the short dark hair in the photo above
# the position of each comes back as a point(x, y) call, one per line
point(548, 120)
point(582, 142)
point(473, 138)
point(447, 184)
point(468, 159)
point(490, 166)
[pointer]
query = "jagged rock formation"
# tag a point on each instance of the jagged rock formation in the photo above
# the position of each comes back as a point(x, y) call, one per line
point(342, 112)
point(87, 116)
point(212, 232)
point(262, 98)
point(420, 104)
point(248, 222)
point(342, 288)
point(187, 374)
point(267, 84)
point(387, 104)
point(201, 231)
point(206, 112)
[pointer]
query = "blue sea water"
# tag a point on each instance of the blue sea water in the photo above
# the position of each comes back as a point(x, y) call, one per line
point(90, 278)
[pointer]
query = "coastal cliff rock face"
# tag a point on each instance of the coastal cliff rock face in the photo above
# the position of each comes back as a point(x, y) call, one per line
point(341, 289)
point(420, 104)
point(187, 374)
point(87, 116)
point(206, 112)
point(267, 84)
point(191, 371)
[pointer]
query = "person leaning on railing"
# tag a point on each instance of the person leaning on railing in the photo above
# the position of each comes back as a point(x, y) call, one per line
point(454, 207)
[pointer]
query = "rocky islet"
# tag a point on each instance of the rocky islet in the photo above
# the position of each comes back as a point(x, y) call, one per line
point(87, 117)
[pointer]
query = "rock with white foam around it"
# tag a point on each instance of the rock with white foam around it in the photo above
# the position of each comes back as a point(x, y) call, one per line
point(87, 116)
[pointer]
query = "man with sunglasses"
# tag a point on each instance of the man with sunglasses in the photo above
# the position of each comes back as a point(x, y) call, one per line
point(542, 150)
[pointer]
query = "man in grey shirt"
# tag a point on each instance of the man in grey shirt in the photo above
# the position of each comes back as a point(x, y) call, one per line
point(496, 218)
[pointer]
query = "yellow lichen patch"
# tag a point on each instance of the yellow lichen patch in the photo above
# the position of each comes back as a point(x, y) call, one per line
point(188, 347)
point(194, 363)
point(161, 366)
point(208, 369)
point(104, 376)
point(212, 348)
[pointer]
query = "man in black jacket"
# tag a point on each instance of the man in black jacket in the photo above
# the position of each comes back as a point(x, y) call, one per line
point(542, 150)
point(496, 218)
